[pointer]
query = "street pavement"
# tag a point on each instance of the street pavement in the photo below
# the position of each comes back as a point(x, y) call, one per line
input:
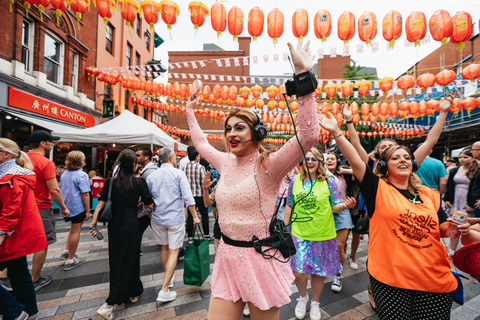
point(78, 293)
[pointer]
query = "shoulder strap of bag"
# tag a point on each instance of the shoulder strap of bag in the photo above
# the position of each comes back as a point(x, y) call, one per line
point(110, 189)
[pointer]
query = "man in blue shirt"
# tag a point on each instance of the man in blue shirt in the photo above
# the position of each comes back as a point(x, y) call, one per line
point(433, 174)
point(170, 190)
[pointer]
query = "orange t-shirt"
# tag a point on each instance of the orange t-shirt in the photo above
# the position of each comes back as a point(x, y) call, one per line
point(404, 243)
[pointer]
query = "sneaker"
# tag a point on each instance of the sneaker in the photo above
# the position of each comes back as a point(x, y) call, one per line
point(106, 311)
point(246, 310)
point(34, 317)
point(170, 285)
point(181, 253)
point(5, 283)
point(353, 263)
point(337, 284)
point(209, 237)
point(42, 282)
point(315, 313)
point(64, 256)
point(166, 296)
point(301, 308)
point(76, 262)
point(141, 252)
point(22, 316)
point(190, 240)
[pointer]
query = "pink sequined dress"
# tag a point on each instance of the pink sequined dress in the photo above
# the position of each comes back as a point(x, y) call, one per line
point(244, 192)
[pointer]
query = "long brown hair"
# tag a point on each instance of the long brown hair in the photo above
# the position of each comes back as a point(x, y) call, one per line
point(321, 173)
point(414, 181)
point(472, 171)
point(251, 119)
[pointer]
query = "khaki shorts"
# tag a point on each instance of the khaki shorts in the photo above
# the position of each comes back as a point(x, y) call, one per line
point(48, 219)
point(169, 235)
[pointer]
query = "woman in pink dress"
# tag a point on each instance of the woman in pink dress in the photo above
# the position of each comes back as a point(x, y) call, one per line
point(246, 196)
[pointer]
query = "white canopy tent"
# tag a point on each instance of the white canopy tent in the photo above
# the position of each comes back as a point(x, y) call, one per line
point(125, 130)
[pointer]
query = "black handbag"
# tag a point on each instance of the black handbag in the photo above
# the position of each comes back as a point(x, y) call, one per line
point(284, 242)
point(105, 214)
point(362, 225)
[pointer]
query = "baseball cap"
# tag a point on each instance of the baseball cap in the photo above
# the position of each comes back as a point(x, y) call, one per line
point(41, 135)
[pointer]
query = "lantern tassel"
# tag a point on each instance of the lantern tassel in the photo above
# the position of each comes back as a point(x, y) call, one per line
point(41, 9)
point(59, 14)
point(275, 42)
point(169, 27)
point(79, 16)
point(27, 6)
point(254, 38)
point(417, 43)
point(460, 46)
point(391, 43)
point(11, 2)
point(324, 39)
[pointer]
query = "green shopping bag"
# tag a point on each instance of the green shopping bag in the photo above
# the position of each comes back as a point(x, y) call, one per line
point(197, 260)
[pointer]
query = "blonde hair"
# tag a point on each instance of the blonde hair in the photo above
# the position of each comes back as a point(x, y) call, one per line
point(20, 157)
point(251, 119)
point(321, 173)
point(414, 181)
point(75, 160)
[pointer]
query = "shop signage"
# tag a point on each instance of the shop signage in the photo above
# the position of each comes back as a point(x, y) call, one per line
point(108, 108)
point(26, 101)
point(97, 186)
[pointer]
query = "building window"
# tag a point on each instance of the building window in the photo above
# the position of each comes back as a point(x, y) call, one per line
point(109, 40)
point(137, 59)
point(147, 40)
point(53, 59)
point(138, 25)
point(129, 54)
point(75, 72)
point(27, 45)
point(127, 100)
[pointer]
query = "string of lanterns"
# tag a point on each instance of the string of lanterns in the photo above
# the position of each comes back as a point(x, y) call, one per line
point(458, 28)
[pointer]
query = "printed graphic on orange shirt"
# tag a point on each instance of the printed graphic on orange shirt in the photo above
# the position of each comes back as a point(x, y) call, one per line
point(415, 226)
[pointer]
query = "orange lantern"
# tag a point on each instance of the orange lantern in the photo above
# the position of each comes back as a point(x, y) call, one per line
point(235, 22)
point(404, 106)
point(364, 87)
point(325, 108)
point(354, 108)
point(356, 118)
point(272, 92)
point(218, 16)
point(129, 10)
point(406, 82)
point(294, 106)
point(322, 24)
point(392, 109)
point(59, 6)
point(422, 108)
point(426, 80)
point(367, 27)
point(414, 109)
point(272, 104)
point(104, 9)
point(225, 92)
point(386, 85)
point(77, 6)
point(198, 13)
point(249, 103)
point(416, 27)
point(169, 11)
point(392, 27)
point(206, 91)
point(255, 23)
point(469, 104)
point(176, 89)
point(471, 72)
point(151, 11)
point(331, 90)
point(346, 26)
point(445, 77)
point(244, 92)
point(365, 109)
point(275, 25)
point(441, 26)
point(259, 104)
point(300, 23)
point(462, 29)
point(375, 110)
point(335, 108)
point(347, 89)
point(239, 102)
point(256, 91)
point(384, 109)
point(217, 92)
point(233, 92)
point(282, 105)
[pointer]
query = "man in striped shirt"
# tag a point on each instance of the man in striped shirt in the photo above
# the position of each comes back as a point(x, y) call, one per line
point(195, 173)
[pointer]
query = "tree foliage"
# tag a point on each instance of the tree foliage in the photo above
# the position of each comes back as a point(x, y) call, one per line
point(352, 72)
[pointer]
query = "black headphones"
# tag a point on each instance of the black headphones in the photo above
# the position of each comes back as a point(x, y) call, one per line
point(259, 131)
point(376, 154)
point(382, 165)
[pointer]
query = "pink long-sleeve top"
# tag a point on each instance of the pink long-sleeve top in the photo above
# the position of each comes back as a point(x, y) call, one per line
point(246, 193)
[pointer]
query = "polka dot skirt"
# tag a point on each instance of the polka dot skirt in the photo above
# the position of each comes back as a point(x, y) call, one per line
point(396, 303)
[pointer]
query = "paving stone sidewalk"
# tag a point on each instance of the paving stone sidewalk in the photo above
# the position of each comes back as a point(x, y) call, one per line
point(78, 293)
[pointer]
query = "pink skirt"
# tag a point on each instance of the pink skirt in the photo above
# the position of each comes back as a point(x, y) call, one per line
point(242, 273)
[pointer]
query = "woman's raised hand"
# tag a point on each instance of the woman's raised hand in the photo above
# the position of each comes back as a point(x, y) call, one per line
point(347, 113)
point(446, 104)
point(192, 103)
point(301, 58)
point(207, 183)
point(329, 123)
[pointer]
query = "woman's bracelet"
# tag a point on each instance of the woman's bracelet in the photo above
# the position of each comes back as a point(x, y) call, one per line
point(349, 121)
point(339, 135)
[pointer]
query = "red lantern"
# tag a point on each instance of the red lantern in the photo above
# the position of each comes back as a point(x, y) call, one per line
point(255, 23)
point(416, 27)
point(198, 13)
point(392, 27)
point(331, 90)
point(471, 72)
point(441, 26)
point(272, 92)
point(347, 89)
point(367, 27)
point(244, 92)
point(462, 29)
point(259, 104)
point(272, 105)
point(129, 10)
point(217, 92)
point(256, 91)
point(294, 106)
point(169, 11)
point(386, 85)
point(322, 24)
point(218, 16)
point(392, 109)
point(406, 82)
point(426, 80)
point(77, 6)
point(346, 26)
point(235, 22)
point(300, 23)
point(364, 87)
point(59, 6)
point(250, 103)
point(233, 92)
point(104, 9)
point(151, 12)
point(275, 24)
point(445, 77)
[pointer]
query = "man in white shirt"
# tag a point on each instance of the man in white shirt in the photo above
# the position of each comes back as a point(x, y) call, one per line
point(170, 190)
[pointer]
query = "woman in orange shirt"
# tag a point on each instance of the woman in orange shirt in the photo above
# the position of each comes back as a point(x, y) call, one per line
point(409, 268)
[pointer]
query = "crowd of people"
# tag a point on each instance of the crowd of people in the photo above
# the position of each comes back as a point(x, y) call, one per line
point(318, 198)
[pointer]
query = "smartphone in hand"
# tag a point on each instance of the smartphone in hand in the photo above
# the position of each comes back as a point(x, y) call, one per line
point(99, 234)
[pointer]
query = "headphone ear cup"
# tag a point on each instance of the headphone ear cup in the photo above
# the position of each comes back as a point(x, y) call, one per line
point(259, 131)
point(376, 154)
point(382, 167)
point(414, 165)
